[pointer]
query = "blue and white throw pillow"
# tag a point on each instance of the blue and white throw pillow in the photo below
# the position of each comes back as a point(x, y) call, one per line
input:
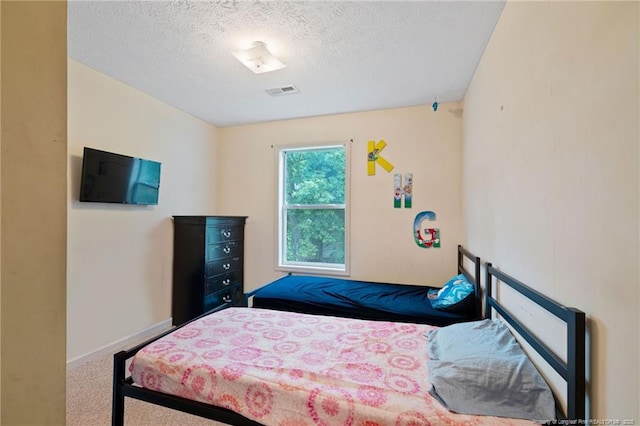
point(456, 295)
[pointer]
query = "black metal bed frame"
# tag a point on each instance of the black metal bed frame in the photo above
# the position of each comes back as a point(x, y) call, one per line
point(462, 254)
point(573, 370)
point(123, 386)
point(475, 279)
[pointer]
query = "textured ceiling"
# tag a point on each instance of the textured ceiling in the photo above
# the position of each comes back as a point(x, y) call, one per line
point(342, 56)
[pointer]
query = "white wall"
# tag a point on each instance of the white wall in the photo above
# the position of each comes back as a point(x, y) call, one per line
point(551, 184)
point(120, 257)
point(420, 141)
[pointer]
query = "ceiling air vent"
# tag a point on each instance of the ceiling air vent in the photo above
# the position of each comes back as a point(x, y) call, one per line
point(284, 90)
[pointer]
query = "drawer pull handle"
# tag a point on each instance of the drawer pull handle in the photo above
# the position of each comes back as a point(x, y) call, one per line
point(226, 233)
point(227, 281)
point(226, 298)
point(226, 266)
point(227, 250)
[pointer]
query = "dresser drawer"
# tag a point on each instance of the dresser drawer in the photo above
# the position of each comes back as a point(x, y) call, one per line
point(231, 295)
point(224, 249)
point(219, 282)
point(221, 266)
point(220, 233)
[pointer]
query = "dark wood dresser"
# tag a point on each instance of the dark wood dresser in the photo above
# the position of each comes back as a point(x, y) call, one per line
point(207, 264)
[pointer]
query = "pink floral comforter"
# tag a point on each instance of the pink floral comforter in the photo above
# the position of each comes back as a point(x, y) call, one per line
point(283, 368)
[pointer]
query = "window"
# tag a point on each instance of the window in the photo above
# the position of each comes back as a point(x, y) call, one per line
point(313, 219)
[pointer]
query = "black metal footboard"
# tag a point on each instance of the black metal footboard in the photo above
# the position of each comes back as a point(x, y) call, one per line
point(123, 386)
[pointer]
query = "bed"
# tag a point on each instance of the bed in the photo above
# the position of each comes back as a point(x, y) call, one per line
point(371, 300)
point(253, 366)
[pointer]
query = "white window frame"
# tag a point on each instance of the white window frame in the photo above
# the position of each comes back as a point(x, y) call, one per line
point(281, 217)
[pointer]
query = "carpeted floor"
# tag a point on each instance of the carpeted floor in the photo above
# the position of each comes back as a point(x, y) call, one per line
point(89, 389)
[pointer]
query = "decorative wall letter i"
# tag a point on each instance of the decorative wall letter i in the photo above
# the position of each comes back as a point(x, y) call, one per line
point(408, 188)
point(397, 190)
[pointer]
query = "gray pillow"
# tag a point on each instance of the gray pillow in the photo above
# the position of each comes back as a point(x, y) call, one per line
point(479, 368)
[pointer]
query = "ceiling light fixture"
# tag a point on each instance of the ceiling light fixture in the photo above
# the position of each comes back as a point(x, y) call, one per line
point(258, 58)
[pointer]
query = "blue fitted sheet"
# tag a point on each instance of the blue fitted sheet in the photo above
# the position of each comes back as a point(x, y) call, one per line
point(354, 299)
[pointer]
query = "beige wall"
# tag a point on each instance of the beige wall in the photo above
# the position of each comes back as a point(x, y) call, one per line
point(420, 141)
point(0, 211)
point(33, 211)
point(114, 293)
point(120, 257)
point(551, 185)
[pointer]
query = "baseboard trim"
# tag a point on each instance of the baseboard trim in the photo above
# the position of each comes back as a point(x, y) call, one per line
point(120, 344)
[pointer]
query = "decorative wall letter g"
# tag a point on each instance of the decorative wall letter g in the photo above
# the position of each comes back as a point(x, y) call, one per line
point(427, 237)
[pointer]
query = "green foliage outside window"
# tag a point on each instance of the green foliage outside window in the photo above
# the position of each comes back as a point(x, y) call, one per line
point(314, 203)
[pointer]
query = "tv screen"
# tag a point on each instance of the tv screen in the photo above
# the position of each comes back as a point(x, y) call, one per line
point(114, 178)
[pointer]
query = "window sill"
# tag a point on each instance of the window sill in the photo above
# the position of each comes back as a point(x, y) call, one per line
point(313, 270)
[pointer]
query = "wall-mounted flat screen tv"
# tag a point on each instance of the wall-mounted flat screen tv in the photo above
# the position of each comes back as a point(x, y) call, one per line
point(114, 178)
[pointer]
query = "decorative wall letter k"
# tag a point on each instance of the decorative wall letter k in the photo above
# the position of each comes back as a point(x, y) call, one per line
point(373, 157)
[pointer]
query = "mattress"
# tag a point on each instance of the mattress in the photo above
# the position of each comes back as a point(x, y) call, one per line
point(284, 368)
point(355, 299)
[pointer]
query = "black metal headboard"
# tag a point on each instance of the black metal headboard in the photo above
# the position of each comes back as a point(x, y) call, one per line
point(475, 278)
point(573, 370)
